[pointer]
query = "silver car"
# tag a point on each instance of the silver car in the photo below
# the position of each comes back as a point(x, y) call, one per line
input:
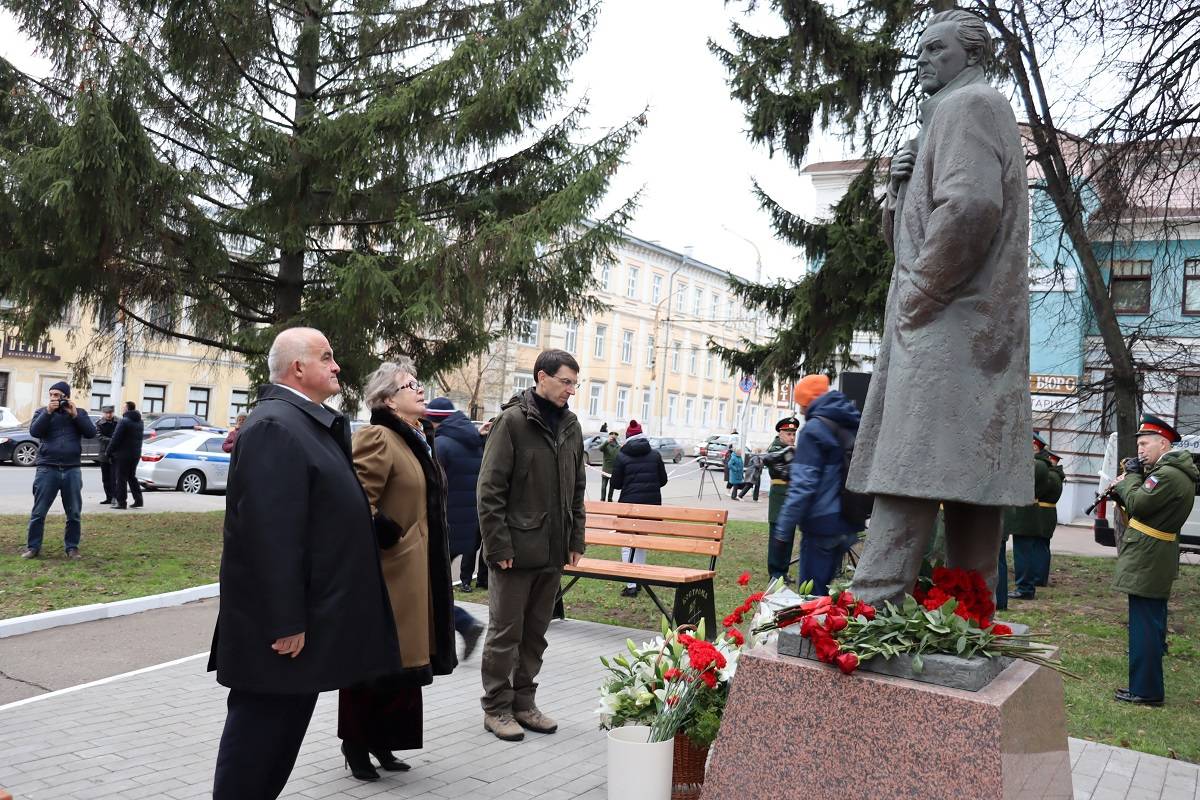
point(190, 461)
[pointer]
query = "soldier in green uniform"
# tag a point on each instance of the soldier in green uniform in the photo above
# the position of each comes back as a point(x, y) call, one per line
point(1032, 526)
point(1156, 493)
point(609, 450)
point(778, 461)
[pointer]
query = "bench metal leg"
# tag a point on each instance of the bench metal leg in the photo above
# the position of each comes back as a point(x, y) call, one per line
point(560, 611)
point(695, 602)
point(650, 591)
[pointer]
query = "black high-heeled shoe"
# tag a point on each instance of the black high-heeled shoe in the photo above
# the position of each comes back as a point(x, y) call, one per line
point(389, 762)
point(359, 763)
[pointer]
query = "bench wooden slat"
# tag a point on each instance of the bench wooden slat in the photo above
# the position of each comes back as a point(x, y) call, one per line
point(657, 512)
point(593, 567)
point(657, 543)
point(693, 530)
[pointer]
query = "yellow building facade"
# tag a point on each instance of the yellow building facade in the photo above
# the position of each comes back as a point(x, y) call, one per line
point(646, 357)
point(161, 377)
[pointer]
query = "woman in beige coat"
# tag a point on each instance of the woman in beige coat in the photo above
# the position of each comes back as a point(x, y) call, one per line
point(406, 488)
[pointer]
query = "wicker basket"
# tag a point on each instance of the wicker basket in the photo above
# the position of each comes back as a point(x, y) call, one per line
point(687, 773)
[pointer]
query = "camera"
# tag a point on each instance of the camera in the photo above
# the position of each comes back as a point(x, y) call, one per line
point(62, 405)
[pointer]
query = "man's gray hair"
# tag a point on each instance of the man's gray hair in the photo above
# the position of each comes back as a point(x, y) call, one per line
point(382, 383)
point(290, 346)
point(972, 32)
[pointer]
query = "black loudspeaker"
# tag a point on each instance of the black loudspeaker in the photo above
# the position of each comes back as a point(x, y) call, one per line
point(854, 385)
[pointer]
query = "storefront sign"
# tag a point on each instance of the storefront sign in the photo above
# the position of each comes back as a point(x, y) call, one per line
point(1052, 384)
point(44, 351)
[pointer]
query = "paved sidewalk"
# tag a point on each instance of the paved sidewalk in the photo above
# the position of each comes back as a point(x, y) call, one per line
point(154, 734)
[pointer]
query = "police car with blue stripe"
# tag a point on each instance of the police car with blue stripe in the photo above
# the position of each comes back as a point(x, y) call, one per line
point(188, 460)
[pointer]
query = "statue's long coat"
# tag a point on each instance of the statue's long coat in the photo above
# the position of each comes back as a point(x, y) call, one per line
point(948, 413)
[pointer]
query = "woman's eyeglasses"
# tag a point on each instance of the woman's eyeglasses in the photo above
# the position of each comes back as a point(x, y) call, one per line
point(415, 385)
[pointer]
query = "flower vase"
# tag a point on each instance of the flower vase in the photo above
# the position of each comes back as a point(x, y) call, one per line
point(687, 773)
point(638, 769)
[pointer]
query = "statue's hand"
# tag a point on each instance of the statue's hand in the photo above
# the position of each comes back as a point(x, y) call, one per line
point(902, 165)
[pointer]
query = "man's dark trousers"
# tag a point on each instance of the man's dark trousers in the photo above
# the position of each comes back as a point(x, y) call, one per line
point(1026, 559)
point(126, 480)
point(106, 478)
point(262, 738)
point(1147, 635)
point(520, 607)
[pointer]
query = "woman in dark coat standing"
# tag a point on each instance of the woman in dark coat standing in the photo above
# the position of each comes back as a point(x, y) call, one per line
point(406, 488)
point(640, 475)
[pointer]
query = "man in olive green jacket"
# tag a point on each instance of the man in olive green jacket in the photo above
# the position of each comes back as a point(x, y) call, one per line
point(1032, 526)
point(1157, 493)
point(531, 520)
point(610, 449)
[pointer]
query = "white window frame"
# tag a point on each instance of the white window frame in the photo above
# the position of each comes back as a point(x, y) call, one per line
point(148, 402)
point(526, 331)
point(650, 355)
point(571, 336)
point(96, 405)
point(595, 398)
point(676, 348)
point(194, 404)
point(672, 407)
point(622, 402)
point(681, 299)
point(236, 407)
point(656, 284)
point(632, 274)
point(626, 346)
point(693, 363)
point(522, 381)
point(705, 411)
point(722, 407)
point(646, 404)
point(599, 341)
point(697, 300)
point(689, 410)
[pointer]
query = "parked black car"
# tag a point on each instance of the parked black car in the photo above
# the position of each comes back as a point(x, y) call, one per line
point(17, 446)
point(158, 424)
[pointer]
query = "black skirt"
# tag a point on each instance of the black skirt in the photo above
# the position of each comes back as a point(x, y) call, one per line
point(381, 717)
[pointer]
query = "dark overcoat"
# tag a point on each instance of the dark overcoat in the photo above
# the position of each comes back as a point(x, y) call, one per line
point(947, 416)
point(126, 442)
point(300, 556)
point(639, 472)
point(460, 452)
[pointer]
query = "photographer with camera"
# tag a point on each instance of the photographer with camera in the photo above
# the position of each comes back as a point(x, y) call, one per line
point(59, 428)
point(1156, 493)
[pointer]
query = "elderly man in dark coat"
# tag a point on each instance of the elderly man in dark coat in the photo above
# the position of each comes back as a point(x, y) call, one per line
point(947, 418)
point(303, 604)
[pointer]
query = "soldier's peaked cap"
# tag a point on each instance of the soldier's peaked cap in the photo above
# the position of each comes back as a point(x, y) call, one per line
point(787, 424)
point(1152, 424)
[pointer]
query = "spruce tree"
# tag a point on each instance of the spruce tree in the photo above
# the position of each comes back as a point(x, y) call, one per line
point(403, 174)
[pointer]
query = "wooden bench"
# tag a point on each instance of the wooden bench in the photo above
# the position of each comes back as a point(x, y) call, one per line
point(660, 529)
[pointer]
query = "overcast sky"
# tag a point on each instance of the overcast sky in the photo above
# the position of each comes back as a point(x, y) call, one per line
point(692, 161)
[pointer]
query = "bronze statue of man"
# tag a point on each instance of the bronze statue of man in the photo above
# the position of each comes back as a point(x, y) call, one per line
point(948, 417)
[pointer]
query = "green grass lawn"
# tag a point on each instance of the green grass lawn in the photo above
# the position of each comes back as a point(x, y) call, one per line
point(124, 555)
point(132, 555)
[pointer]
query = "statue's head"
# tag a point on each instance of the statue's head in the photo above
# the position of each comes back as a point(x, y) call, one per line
point(953, 41)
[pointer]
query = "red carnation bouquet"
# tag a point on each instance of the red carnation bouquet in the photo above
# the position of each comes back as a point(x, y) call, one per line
point(949, 612)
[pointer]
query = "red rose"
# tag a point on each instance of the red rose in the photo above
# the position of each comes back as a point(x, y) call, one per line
point(847, 662)
point(809, 625)
point(731, 620)
point(1000, 629)
point(835, 622)
point(861, 609)
point(845, 599)
point(817, 606)
point(744, 579)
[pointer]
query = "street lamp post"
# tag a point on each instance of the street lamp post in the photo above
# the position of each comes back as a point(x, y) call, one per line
point(657, 398)
point(757, 279)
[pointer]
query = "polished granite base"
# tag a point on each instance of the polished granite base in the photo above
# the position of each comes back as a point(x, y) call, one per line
point(795, 728)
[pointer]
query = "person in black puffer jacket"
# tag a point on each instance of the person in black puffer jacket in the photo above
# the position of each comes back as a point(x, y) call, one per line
point(640, 475)
point(124, 452)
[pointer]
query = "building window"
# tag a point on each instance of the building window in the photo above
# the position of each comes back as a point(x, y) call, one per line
point(626, 347)
point(681, 299)
point(198, 401)
point(601, 333)
point(239, 401)
point(754, 418)
point(606, 277)
point(1187, 404)
point(526, 332)
point(3, 388)
point(1130, 287)
point(631, 282)
point(697, 300)
point(656, 288)
point(622, 403)
point(650, 360)
point(676, 346)
point(693, 361)
point(521, 382)
point(645, 405)
point(101, 394)
point(716, 307)
point(571, 340)
point(706, 411)
point(1191, 286)
point(721, 407)
point(154, 398)
point(689, 410)
point(708, 365)
point(1108, 410)
point(595, 395)
point(672, 407)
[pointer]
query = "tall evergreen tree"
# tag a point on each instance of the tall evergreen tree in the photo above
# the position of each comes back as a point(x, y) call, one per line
point(398, 173)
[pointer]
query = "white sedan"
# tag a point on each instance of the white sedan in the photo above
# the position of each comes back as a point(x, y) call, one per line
point(190, 461)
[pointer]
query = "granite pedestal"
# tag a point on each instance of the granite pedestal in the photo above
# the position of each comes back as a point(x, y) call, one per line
point(795, 728)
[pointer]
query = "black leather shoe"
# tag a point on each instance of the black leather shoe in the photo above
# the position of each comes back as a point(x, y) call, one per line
point(630, 591)
point(1020, 596)
point(136, 505)
point(1126, 696)
point(122, 507)
point(106, 502)
point(359, 763)
point(389, 762)
point(465, 588)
